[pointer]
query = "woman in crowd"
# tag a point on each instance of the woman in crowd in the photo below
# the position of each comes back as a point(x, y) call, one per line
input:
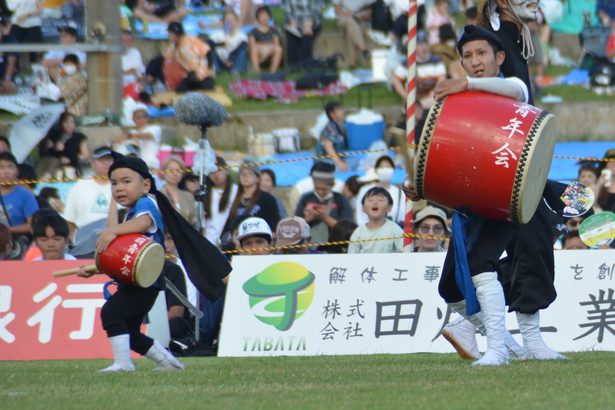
point(264, 42)
point(64, 152)
point(384, 169)
point(183, 201)
point(430, 221)
point(221, 193)
point(267, 184)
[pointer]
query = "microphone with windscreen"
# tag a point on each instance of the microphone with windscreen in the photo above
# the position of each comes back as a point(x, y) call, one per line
point(200, 110)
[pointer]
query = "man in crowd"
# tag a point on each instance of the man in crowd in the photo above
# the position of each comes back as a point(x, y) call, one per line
point(293, 231)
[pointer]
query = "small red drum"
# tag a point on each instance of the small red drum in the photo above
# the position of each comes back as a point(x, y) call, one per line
point(132, 259)
point(485, 153)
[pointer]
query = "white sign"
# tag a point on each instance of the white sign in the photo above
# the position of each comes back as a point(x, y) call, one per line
point(388, 303)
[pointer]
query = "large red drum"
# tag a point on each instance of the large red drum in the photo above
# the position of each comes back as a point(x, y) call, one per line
point(132, 259)
point(485, 153)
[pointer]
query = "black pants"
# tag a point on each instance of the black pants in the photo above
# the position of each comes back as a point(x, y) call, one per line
point(28, 35)
point(191, 83)
point(487, 240)
point(300, 49)
point(528, 271)
point(124, 313)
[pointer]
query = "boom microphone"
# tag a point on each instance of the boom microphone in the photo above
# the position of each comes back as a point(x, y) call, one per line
point(199, 109)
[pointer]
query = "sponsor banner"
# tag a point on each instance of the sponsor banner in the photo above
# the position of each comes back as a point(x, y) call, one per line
point(388, 303)
point(42, 317)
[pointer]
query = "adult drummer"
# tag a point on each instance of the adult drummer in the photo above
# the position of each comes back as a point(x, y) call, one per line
point(478, 243)
point(528, 272)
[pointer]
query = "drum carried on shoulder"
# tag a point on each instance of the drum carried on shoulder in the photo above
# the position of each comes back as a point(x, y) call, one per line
point(487, 154)
point(132, 259)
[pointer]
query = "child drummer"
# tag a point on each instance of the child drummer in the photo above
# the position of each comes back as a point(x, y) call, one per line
point(123, 313)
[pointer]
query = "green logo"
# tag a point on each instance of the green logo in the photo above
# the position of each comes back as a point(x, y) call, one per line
point(280, 294)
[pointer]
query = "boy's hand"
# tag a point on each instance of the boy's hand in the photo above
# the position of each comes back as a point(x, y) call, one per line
point(410, 191)
point(83, 273)
point(106, 237)
point(451, 86)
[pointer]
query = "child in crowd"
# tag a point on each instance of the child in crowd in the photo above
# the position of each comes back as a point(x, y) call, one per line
point(264, 42)
point(332, 139)
point(377, 203)
point(255, 236)
point(50, 232)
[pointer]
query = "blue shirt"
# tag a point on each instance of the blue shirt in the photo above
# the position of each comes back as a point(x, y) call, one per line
point(20, 204)
point(332, 132)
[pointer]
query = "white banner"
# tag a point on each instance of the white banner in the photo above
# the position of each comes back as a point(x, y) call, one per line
point(32, 128)
point(388, 303)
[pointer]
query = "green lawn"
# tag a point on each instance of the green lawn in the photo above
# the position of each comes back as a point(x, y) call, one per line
point(430, 381)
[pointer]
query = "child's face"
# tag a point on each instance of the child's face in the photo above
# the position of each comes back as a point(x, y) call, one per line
point(376, 207)
point(127, 186)
point(8, 171)
point(52, 246)
point(338, 115)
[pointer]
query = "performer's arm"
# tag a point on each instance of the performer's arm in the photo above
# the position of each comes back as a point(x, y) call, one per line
point(507, 87)
point(139, 224)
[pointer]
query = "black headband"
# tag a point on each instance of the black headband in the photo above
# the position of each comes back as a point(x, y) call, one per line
point(136, 164)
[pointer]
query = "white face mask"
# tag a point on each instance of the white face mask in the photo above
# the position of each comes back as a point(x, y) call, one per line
point(526, 10)
point(70, 69)
point(385, 175)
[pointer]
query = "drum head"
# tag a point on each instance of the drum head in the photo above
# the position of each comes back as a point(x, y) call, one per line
point(533, 168)
point(149, 265)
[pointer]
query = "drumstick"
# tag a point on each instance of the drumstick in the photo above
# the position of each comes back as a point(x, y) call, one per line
point(400, 135)
point(73, 271)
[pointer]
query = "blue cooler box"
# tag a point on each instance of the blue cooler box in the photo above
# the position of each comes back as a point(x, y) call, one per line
point(361, 134)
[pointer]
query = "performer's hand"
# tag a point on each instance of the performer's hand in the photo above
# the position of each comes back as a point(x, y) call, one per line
point(410, 191)
point(451, 86)
point(106, 237)
point(83, 273)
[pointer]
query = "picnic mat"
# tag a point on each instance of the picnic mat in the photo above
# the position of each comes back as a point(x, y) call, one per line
point(282, 91)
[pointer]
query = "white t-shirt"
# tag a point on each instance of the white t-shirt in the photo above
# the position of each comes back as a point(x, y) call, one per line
point(132, 59)
point(397, 213)
point(87, 201)
point(60, 54)
point(215, 223)
point(388, 230)
point(21, 7)
point(150, 148)
point(231, 42)
point(67, 257)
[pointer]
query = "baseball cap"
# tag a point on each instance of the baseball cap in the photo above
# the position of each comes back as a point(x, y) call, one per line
point(248, 163)
point(254, 226)
point(430, 212)
point(70, 28)
point(101, 152)
point(291, 231)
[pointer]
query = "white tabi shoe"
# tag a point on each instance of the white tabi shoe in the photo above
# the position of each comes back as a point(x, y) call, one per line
point(120, 345)
point(462, 335)
point(529, 325)
point(119, 367)
point(163, 358)
point(491, 298)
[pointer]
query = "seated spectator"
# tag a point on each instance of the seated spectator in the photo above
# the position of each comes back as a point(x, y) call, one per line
point(52, 60)
point(232, 54)
point(302, 27)
point(144, 135)
point(438, 15)
point(6, 244)
point(352, 18)
point(132, 62)
point(50, 234)
point(52, 197)
point(8, 61)
point(341, 232)
point(264, 43)
point(572, 240)
point(332, 139)
point(606, 182)
point(221, 193)
point(255, 237)
point(26, 22)
point(588, 175)
point(322, 208)
point(251, 200)
point(377, 203)
point(89, 199)
point(268, 184)
point(190, 182)
point(74, 10)
point(63, 151)
point(178, 316)
point(429, 221)
point(429, 71)
point(159, 11)
point(351, 189)
point(566, 31)
point(446, 50)
point(185, 62)
point(245, 9)
point(384, 169)
point(183, 201)
point(73, 85)
point(293, 231)
point(17, 204)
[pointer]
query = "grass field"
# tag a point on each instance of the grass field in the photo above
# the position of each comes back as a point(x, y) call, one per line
point(423, 381)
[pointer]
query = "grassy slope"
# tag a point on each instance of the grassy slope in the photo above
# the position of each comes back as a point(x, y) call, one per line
point(383, 381)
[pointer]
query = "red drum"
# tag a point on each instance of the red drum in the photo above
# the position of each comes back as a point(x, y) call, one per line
point(132, 259)
point(487, 154)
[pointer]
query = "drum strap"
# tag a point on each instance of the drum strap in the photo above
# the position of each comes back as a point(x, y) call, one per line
point(463, 276)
